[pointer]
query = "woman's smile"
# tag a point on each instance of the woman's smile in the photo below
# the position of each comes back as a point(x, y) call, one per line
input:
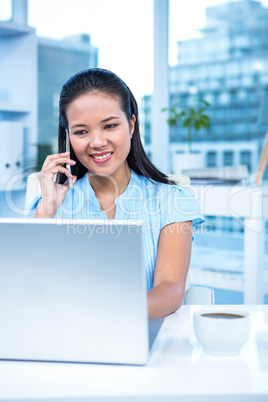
point(102, 157)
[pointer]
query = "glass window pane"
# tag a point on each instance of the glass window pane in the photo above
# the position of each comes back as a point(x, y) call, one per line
point(5, 10)
point(245, 159)
point(224, 97)
point(211, 159)
point(228, 158)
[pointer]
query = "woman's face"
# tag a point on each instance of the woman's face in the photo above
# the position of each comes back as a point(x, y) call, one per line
point(100, 133)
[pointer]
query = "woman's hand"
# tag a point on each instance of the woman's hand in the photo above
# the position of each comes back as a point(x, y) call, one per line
point(53, 194)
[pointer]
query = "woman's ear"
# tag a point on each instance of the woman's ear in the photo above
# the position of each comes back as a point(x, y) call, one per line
point(132, 125)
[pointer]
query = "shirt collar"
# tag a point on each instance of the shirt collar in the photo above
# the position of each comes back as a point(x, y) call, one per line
point(133, 182)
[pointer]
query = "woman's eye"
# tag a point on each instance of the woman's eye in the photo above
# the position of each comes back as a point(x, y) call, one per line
point(111, 125)
point(80, 132)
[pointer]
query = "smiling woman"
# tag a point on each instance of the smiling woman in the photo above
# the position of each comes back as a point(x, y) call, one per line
point(112, 178)
point(100, 132)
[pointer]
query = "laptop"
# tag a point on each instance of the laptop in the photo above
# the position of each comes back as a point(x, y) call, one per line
point(74, 291)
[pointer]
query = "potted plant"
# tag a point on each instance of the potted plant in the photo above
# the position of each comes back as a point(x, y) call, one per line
point(192, 118)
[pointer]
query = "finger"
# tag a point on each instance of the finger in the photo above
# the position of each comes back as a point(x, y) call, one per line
point(74, 180)
point(62, 160)
point(59, 161)
point(62, 169)
point(59, 155)
point(67, 184)
point(49, 174)
point(53, 157)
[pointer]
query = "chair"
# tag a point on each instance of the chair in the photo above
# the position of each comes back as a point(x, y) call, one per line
point(199, 295)
point(33, 189)
point(193, 295)
point(180, 179)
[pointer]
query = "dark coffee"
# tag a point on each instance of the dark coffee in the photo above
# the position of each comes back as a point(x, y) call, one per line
point(222, 315)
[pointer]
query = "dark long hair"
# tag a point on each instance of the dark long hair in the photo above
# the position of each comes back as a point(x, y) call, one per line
point(98, 80)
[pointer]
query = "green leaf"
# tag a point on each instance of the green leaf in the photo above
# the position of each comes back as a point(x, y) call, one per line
point(206, 103)
point(205, 125)
point(197, 125)
point(189, 116)
point(172, 121)
point(187, 122)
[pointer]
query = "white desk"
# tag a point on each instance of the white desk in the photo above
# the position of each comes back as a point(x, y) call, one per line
point(178, 370)
point(251, 204)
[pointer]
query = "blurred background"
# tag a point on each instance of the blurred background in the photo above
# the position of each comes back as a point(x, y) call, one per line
point(172, 54)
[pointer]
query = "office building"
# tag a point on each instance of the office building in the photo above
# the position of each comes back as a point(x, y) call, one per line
point(58, 60)
point(227, 66)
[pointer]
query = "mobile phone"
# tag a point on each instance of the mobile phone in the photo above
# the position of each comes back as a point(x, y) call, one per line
point(68, 167)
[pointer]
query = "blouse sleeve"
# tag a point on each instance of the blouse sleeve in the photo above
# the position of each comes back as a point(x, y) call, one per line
point(32, 208)
point(180, 205)
point(34, 204)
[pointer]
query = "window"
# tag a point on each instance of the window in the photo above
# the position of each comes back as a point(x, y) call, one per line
point(241, 41)
point(240, 128)
point(232, 68)
point(228, 128)
point(216, 97)
point(209, 97)
point(224, 98)
point(184, 74)
point(56, 98)
point(220, 114)
point(5, 10)
point(242, 95)
point(233, 81)
point(253, 95)
point(245, 159)
point(202, 72)
point(212, 158)
point(223, 43)
point(247, 80)
point(228, 158)
point(209, 45)
point(213, 84)
point(236, 113)
point(233, 94)
point(216, 70)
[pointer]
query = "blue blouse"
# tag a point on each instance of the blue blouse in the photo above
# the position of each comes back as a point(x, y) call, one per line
point(156, 204)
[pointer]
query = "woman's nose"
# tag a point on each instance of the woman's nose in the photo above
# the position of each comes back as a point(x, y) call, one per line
point(97, 140)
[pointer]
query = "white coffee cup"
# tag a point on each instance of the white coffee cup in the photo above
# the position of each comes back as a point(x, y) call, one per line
point(221, 331)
